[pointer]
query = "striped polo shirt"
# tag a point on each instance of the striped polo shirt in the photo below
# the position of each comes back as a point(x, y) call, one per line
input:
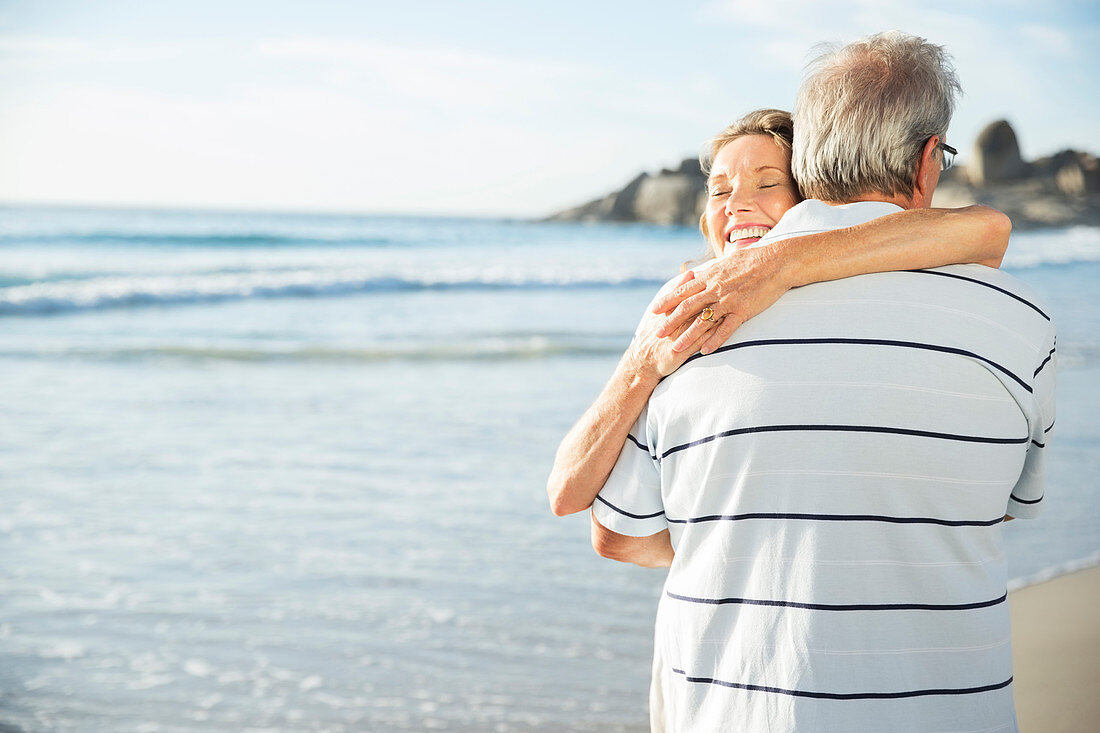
point(834, 479)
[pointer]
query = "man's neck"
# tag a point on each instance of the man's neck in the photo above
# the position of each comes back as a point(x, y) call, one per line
point(905, 202)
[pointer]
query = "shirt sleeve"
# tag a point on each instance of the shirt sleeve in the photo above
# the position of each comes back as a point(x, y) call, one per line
point(1026, 500)
point(630, 503)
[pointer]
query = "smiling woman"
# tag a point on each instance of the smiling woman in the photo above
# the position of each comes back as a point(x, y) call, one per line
point(750, 185)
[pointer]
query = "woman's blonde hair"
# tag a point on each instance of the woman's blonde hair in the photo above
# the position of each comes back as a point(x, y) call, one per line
point(772, 122)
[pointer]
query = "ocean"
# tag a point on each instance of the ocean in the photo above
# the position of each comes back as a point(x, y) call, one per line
point(279, 472)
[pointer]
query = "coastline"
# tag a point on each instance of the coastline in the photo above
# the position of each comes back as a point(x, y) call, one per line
point(1056, 653)
point(1054, 572)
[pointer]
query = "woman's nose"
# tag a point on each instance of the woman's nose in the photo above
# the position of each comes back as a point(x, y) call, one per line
point(739, 200)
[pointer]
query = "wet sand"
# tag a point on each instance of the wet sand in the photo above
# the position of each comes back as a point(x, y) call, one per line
point(1056, 650)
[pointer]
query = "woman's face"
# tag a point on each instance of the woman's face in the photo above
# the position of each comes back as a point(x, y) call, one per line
point(749, 189)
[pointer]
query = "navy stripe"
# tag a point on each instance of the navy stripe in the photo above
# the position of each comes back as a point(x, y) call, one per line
point(847, 695)
point(1047, 430)
point(839, 518)
point(1026, 501)
point(842, 429)
point(866, 342)
point(1037, 444)
point(840, 606)
point(1009, 293)
point(1049, 357)
point(638, 443)
point(626, 513)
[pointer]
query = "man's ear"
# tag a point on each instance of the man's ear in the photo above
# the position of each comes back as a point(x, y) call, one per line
point(928, 174)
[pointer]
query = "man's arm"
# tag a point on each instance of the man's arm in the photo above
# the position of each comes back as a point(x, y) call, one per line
point(1026, 499)
point(654, 551)
point(741, 284)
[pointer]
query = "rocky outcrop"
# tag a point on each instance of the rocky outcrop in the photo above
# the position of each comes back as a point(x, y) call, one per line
point(996, 155)
point(1058, 190)
point(670, 198)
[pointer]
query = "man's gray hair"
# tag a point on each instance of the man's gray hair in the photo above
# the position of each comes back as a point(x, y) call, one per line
point(864, 112)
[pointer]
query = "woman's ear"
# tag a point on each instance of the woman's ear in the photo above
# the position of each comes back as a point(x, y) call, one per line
point(928, 173)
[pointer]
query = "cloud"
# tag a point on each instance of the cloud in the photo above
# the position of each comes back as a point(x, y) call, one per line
point(349, 122)
point(1051, 40)
point(455, 77)
point(798, 17)
point(27, 52)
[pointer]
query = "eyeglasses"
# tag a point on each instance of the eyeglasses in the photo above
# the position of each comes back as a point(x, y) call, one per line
point(949, 154)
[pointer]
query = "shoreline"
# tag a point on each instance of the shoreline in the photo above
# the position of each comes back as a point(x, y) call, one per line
point(1056, 652)
point(1054, 572)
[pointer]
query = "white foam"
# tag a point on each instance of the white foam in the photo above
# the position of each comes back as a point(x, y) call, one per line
point(66, 650)
point(133, 290)
point(147, 682)
point(1056, 571)
point(210, 701)
point(197, 668)
point(311, 683)
point(1053, 247)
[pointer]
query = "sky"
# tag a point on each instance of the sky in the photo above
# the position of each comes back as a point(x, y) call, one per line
point(479, 107)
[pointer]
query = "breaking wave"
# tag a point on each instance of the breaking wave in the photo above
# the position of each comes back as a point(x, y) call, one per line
point(68, 295)
point(197, 239)
point(501, 347)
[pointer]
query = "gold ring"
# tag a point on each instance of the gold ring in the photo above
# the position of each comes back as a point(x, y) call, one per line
point(707, 315)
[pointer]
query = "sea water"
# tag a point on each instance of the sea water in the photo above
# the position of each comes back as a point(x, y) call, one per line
point(286, 472)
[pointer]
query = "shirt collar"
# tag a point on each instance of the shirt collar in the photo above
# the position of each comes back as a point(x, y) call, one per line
point(812, 216)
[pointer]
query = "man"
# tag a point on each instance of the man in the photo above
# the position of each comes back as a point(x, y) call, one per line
point(835, 478)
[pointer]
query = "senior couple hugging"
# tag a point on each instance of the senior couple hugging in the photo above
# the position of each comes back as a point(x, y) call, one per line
point(822, 429)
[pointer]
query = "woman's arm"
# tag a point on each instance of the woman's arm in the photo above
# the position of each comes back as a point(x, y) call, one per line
point(589, 451)
point(745, 282)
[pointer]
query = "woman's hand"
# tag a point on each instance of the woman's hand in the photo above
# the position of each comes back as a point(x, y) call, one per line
point(736, 287)
point(655, 357)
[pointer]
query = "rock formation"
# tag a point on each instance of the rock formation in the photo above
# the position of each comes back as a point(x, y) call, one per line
point(1058, 190)
point(996, 156)
point(670, 198)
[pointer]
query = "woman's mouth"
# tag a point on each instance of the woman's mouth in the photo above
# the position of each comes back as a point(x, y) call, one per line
point(744, 236)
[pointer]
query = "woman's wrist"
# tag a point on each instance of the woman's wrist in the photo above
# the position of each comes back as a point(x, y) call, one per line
point(639, 368)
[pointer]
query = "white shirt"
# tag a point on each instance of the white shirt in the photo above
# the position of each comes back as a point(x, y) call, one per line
point(834, 480)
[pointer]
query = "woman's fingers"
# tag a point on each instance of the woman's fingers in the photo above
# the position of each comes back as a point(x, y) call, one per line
point(697, 345)
point(690, 308)
point(693, 333)
point(720, 335)
point(687, 287)
point(706, 336)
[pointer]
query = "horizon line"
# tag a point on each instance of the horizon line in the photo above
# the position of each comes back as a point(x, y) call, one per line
point(207, 208)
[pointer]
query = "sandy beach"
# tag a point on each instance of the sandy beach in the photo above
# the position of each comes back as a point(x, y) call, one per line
point(1056, 647)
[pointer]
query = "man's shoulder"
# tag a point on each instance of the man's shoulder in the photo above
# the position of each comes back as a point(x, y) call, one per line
point(1000, 279)
point(954, 283)
point(958, 306)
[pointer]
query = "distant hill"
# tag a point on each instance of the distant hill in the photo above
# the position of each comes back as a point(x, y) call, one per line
point(1055, 191)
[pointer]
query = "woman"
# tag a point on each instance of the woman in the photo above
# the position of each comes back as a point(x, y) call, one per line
point(749, 188)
